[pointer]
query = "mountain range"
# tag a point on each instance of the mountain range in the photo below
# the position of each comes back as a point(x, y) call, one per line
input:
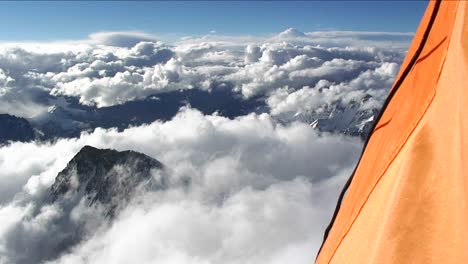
point(68, 118)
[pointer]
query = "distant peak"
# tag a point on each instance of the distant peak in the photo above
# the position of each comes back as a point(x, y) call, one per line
point(291, 32)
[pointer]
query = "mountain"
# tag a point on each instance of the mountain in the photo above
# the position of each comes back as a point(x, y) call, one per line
point(107, 177)
point(14, 128)
point(291, 33)
point(86, 195)
point(61, 121)
point(351, 119)
point(68, 118)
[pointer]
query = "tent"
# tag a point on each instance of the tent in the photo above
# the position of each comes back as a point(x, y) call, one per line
point(407, 201)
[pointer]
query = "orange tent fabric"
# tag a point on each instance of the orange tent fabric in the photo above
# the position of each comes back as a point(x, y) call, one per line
point(408, 198)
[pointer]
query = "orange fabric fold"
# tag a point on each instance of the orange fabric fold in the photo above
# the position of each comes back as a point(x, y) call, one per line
point(407, 202)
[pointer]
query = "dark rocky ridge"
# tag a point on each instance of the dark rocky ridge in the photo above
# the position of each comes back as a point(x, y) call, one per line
point(88, 194)
point(107, 176)
point(71, 120)
point(14, 128)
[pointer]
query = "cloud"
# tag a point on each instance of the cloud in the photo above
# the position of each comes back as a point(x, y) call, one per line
point(261, 190)
point(258, 193)
point(360, 35)
point(252, 226)
point(252, 54)
point(394, 40)
point(370, 83)
point(5, 81)
point(113, 68)
point(15, 102)
point(126, 39)
point(287, 65)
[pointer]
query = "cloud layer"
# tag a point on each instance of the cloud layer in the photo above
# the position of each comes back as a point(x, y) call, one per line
point(116, 67)
point(258, 194)
point(261, 190)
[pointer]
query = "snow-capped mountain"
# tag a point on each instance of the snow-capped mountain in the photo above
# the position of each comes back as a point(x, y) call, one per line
point(291, 33)
point(351, 119)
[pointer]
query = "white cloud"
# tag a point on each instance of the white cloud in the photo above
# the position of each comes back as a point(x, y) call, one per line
point(252, 54)
point(258, 193)
point(122, 39)
point(372, 82)
point(251, 226)
point(394, 40)
point(5, 81)
point(107, 69)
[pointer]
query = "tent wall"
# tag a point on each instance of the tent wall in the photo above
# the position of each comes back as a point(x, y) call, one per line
point(408, 200)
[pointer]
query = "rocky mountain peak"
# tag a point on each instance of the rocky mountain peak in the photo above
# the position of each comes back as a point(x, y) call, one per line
point(107, 176)
point(14, 128)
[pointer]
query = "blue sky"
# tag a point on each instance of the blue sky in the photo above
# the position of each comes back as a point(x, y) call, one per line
point(22, 21)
